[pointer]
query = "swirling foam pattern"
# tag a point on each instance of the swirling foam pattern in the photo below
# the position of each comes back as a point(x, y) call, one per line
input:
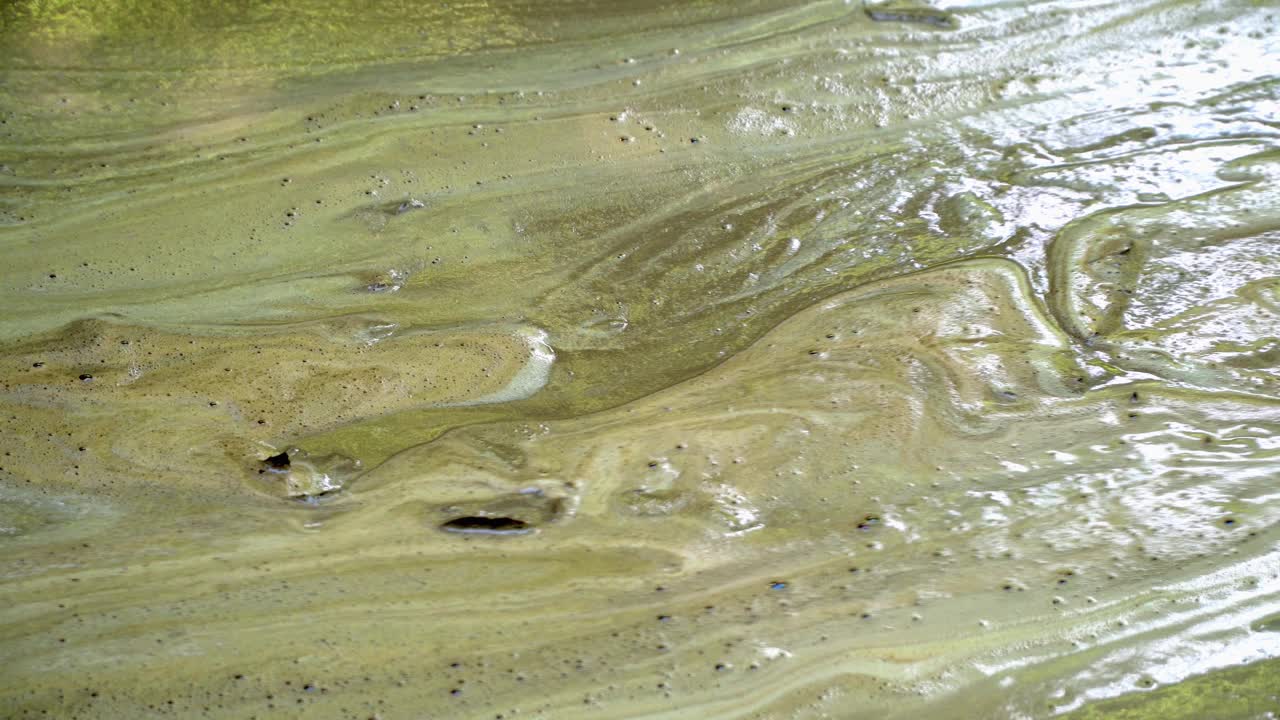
point(580, 359)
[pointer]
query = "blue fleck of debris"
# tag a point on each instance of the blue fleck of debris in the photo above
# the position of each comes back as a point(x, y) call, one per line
point(778, 586)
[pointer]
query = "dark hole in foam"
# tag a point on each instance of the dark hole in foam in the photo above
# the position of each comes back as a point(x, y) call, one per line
point(278, 462)
point(482, 525)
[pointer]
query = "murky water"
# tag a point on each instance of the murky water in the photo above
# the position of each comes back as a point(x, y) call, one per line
point(580, 359)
